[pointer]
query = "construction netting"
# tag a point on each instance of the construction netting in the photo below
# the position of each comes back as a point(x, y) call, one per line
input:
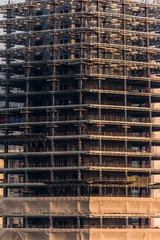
point(94, 234)
point(134, 234)
point(80, 205)
point(12, 235)
point(44, 206)
point(19, 234)
point(125, 205)
point(97, 205)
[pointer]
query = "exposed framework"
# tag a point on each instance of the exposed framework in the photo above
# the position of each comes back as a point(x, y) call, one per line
point(80, 115)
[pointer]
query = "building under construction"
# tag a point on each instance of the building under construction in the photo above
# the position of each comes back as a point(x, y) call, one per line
point(80, 120)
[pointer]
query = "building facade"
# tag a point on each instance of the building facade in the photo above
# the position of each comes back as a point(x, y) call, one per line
point(80, 120)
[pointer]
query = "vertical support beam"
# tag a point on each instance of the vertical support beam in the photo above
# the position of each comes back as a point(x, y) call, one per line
point(8, 60)
point(53, 87)
point(29, 13)
point(80, 85)
point(101, 222)
point(99, 96)
point(78, 223)
point(125, 94)
point(149, 87)
point(51, 222)
point(126, 223)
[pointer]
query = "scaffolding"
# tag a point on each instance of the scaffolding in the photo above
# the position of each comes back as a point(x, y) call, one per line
point(79, 118)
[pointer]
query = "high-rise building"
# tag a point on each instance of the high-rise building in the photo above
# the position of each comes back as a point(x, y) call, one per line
point(80, 120)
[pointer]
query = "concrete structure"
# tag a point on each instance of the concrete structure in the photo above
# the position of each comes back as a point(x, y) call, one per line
point(80, 120)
